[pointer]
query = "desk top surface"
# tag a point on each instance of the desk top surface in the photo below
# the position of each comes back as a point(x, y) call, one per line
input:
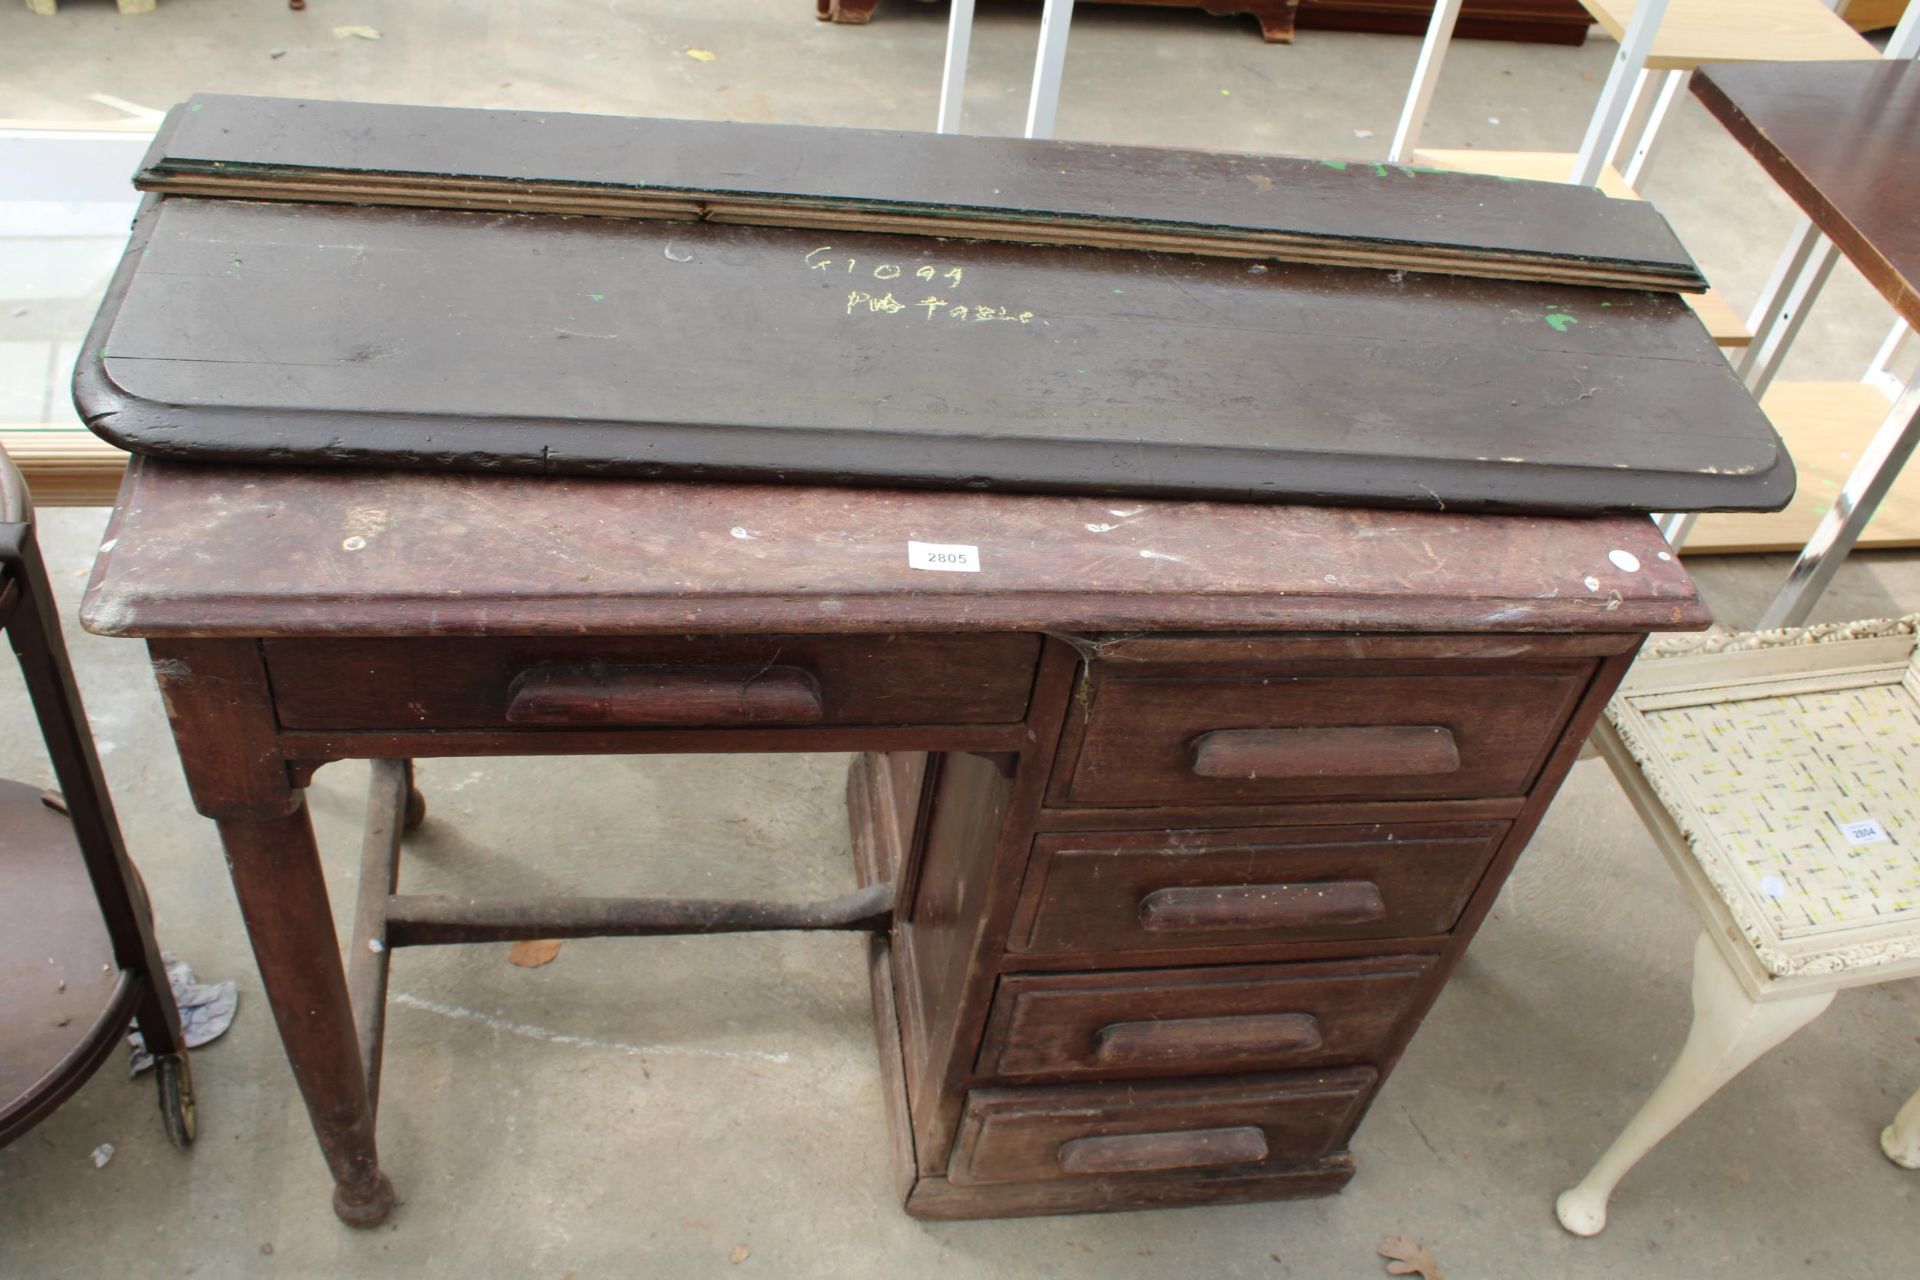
point(1843, 139)
point(218, 551)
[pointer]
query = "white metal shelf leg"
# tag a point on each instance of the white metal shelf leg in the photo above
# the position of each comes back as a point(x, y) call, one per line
point(1426, 76)
point(1730, 1031)
point(1780, 281)
point(1901, 1139)
point(1670, 88)
point(953, 75)
point(1879, 373)
point(1596, 149)
point(1905, 41)
point(1676, 528)
point(1634, 99)
point(1840, 527)
point(1048, 63)
point(1775, 334)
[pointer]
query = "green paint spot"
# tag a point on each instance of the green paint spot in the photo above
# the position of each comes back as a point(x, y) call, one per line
point(1334, 164)
point(598, 297)
point(1379, 171)
point(1606, 304)
point(195, 107)
point(1560, 322)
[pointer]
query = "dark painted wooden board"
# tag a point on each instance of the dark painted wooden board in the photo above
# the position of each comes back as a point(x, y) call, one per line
point(277, 144)
point(321, 334)
point(1843, 139)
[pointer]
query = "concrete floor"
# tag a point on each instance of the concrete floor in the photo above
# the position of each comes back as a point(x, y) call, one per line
point(647, 1107)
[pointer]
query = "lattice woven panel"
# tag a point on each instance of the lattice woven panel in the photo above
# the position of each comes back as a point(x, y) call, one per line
point(1782, 787)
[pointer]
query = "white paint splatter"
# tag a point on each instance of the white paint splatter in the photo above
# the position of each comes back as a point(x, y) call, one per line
point(1102, 528)
point(354, 543)
point(1161, 555)
point(1666, 555)
point(531, 1032)
point(675, 257)
point(1592, 583)
point(1625, 561)
point(1123, 514)
point(743, 534)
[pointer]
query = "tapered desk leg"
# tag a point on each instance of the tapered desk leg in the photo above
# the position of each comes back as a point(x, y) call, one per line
point(283, 898)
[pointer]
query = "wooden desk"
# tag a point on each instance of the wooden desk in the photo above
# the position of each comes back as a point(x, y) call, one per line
point(1843, 139)
point(1172, 819)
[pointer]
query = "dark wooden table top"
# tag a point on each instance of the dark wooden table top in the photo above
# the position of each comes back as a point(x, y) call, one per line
point(1843, 139)
point(313, 334)
point(213, 551)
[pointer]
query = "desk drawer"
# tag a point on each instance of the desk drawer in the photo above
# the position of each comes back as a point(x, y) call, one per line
point(1238, 1125)
point(1156, 890)
point(641, 682)
point(1319, 731)
point(1184, 1022)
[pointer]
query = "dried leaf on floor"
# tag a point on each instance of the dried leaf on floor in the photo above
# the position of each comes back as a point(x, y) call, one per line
point(1407, 1257)
point(701, 55)
point(356, 32)
point(533, 953)
point(739, 1255)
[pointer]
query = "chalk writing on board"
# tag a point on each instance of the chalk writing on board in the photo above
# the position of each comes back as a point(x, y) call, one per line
point(868, 298)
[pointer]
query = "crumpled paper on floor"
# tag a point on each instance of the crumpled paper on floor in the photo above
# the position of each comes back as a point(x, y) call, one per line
point(206, 1011)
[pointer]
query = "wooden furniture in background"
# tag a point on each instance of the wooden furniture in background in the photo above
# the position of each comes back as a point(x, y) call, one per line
point(1842, 139)
point(1871, 15)
point(78, 960)
point(1534, 21)
point(50, 7)
point(1171, 821)
point(1775, 771)
point(1528, 21)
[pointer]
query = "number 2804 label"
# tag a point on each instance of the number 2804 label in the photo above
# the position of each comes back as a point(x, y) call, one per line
point(943, 557)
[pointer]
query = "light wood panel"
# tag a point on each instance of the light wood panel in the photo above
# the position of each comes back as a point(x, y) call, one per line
point(1722, 321)
point(1826, 425)
point(64, 466)
point(1697, 31)
point(1873, 15)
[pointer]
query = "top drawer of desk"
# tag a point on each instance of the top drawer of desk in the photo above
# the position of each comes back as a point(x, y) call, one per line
point(1292, 723)
point(642, 682)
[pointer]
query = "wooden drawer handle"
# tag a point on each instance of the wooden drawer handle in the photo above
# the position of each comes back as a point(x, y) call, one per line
point(1151, 1152)
point(664, 696)
point(1372, 751)
point(1264, 906)
point(1139, 1044)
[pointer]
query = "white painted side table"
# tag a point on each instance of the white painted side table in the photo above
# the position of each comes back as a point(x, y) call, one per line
point(1779, 773)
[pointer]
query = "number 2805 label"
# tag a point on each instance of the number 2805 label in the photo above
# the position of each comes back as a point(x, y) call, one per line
point(943, 557)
